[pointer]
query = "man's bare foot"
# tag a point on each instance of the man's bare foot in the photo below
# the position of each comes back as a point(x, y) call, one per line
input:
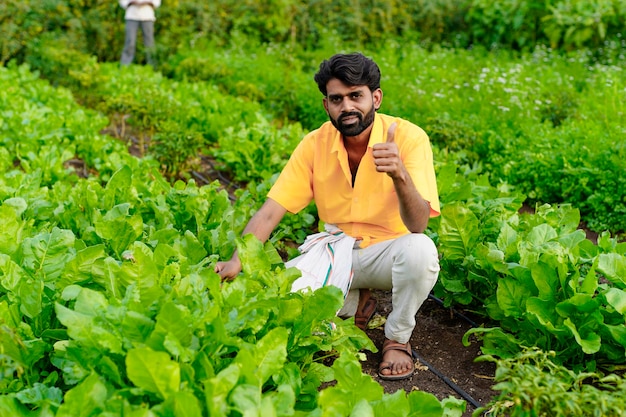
point(397, 362)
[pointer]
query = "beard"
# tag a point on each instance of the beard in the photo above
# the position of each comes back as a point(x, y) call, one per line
point(357, 128)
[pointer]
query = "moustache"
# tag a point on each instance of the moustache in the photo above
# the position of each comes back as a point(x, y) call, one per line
point(350, 114)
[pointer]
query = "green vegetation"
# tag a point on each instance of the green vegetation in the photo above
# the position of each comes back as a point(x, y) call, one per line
point(106, 259)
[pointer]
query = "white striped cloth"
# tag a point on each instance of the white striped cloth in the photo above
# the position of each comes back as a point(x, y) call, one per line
point(326, 259)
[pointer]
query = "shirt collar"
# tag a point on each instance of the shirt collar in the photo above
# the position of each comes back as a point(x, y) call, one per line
point(376, 136)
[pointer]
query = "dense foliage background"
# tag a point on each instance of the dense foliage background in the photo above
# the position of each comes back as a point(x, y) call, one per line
point(94, 26)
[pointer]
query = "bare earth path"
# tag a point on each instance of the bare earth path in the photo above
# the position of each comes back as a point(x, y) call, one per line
point(437, 339)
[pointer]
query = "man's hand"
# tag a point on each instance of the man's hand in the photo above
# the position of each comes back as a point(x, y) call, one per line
point(260, 225)
point(387, 157)
point(229, 269)
point(414, 210)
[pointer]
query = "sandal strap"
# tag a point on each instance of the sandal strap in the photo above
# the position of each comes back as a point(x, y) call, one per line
point(393, 345)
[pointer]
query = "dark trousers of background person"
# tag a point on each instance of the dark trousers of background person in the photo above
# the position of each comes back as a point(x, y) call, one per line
point(130, 41)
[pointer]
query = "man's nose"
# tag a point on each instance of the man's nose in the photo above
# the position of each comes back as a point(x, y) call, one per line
point(347, 105)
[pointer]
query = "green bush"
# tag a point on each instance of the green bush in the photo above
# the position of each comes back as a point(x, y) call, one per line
point(532, 384)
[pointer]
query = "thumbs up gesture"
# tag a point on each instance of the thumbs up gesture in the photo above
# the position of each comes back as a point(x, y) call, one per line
point(386, 155)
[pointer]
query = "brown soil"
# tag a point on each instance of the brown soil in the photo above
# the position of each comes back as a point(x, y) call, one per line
point(445, 367)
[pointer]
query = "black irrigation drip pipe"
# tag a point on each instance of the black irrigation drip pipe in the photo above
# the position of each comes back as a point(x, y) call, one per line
point(447, 380)
point(440, 375)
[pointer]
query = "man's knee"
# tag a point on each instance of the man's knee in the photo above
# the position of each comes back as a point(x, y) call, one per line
point(419, 253)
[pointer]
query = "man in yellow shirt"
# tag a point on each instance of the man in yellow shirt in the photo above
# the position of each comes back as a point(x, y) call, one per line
point(372, 176)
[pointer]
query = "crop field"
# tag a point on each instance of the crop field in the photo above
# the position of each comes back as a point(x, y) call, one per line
point(120, 187)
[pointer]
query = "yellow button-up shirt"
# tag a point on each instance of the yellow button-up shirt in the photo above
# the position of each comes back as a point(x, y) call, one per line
point(318, 170)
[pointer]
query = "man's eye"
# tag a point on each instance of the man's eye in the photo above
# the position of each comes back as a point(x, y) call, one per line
point(335, 99)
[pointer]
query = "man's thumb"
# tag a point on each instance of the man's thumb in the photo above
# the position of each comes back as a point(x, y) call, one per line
point(391, 132)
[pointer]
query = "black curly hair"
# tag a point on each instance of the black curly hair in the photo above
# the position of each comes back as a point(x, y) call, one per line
point(351, 69)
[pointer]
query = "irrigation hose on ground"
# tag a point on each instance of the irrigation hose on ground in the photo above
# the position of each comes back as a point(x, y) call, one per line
point(441, 376)
point(447, 380)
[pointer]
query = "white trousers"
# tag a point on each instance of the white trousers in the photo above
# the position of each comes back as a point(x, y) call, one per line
point(408, 266)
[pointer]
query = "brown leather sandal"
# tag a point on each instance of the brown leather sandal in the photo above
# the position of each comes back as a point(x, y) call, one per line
point(393, 345)
point(367, 308)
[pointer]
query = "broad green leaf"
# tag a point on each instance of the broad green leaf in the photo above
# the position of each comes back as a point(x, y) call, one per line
point(564, 217)
point(247, 397)
point(11, 274)
point(350, 378)
point(282, 400)
point(9, 314)
point(320, 306)
point(87, 264)
point(619, 334)
point(613, 266)
point(542, 311)
point(290, 308)
point(119, 227)
point(546, 280)
point(153, 371)
point(423, 404)
point(136, 326)
point(85, 329)
point(539, 235)
point(191, 247)
point(253, 256)
point(271, 353)
point(24, 349)
point(452, 407)
point(512, 295)
point(14, 229)
point(46, 254)
point(459, 231)
point(118, 188)
point(174, 322)
point(578, 304)
point(589, 283)
point(10, 406)
point(507, 240)
point(395, 404)
point(572, 240)
point(218, 388)
point(494, 341)
point(30, 293)
point(86, 399)
point(617, 299)
point(364, 409)
point(40, 394)
point(140, 269)
point(589, 341)
point(180, 404)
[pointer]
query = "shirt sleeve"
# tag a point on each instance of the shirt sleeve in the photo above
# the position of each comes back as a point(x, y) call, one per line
point(294, 187)
point(417, 156)
point(124, 3)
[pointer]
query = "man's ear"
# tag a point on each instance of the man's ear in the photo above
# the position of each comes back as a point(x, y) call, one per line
point(325, 102)
point(377, 96)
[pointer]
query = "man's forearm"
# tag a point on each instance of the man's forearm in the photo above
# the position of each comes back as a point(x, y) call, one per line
point(414, 210)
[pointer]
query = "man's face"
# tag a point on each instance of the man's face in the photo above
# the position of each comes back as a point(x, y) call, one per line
point(351, 109)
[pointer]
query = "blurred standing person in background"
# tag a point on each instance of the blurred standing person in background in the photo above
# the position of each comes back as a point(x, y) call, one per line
point(139, 13)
